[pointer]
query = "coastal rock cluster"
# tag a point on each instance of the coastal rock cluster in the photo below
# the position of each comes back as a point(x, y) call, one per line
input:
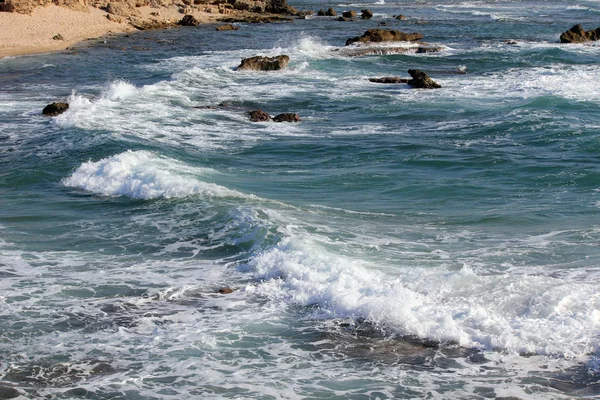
point(579, 35)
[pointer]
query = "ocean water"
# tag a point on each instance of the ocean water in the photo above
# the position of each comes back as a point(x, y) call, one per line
point(396, 243)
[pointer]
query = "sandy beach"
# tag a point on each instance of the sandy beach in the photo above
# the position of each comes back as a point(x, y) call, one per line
point(35, 33)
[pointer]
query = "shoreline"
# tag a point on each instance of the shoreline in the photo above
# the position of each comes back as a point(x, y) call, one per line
point(25, 34)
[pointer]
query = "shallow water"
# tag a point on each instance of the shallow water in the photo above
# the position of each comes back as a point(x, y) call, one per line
point(396, 243)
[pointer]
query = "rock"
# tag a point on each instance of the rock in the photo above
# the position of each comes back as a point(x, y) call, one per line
point(122, 9)
point(389, 79)
point(385, 35)
point(287, 117)
point(512, 42)
point(578, 35)
point(421, 80)
point(7, 392)
point(225, 290)
point(259, 116)
point(227, 27)
point(145, 25)
point(321, 13)
point(189, 20)
point(58, 37)
point(114, 18)
point(54, 109)
point(349, 14)
point(366, 14)
point(259, 63)
point(330, 12)
point(400, 17)
point(344, 19)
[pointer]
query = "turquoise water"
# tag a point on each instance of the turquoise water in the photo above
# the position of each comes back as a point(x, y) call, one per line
point(396, 243)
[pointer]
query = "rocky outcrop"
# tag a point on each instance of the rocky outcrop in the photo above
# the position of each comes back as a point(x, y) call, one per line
point(330, 12)
point(366, 14)
point(227, 27)
point(188, 20)
point(421, 80)
point(578, 35)
point(400, 17)
point(259, 63)
point(122, 9)
point(384, 35)
point(349, 14)
point(54, 109)
point(287, 117)
point(258, 116)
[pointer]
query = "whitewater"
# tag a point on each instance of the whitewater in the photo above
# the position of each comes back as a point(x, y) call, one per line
point(395, 243)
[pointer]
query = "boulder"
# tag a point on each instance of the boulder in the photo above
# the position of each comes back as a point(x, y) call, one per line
point(385, 35)
point(7, 392)
point(578, 35)
point(227, 27)
point(54, 109)
point(344, 19)
point(122, 9)
point(287, 117)
point(389, 79)
point(225, 290)
point(400, 17)
point(321, 13)
point(259, 63)
point(58, 36)
point(330, 12)
point(366, 14)
point(259, 116)
point(421, 80)
point(349, 14)
point(188, 20)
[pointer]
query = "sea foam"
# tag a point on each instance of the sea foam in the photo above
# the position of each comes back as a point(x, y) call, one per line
point(143, 175)
point(516, 314)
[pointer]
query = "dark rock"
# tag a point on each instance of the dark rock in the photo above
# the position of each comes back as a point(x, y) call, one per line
point(382, 23)
point(58, 37)
point(330, 12)
point(54, 109)
point(279, 7)
point(259, 116)
point(578, 35)
point(400, 17)
point(511, 42)
point(227, 27)
point(389, 79)
point(287, 117)
point(385, 35)
point(259, 63)
point(321, 13)
point(226, 290)
point(102, 368)
point(421, 80)
point(344, 19)
point(349, 14)
point(7, 392)
point(189, 20)
point(366, 14)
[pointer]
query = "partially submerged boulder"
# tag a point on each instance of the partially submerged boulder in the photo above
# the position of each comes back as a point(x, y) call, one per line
point(349, 14)
point(330, 12)
point(287, 117)
point(420, 80)
point(385, 35)
point(366, 14)
point(259, 63)
point(578, 35)
point(227, 27)
point(54, 109)
point(259, 116)
point(189, 20)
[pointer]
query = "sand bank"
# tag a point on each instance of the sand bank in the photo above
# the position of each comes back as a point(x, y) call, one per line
point(26, 34)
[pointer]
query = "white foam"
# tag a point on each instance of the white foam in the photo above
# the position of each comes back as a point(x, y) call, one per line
point(143, 175)
point(520, 314)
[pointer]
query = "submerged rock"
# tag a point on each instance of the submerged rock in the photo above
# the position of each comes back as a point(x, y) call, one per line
point(349, 14)
point(366, 14)
point(259, 116)
point(259, 63)
point(7, 392)
point(385, 35)
point(54, 109)
point(225, 290)
point(389, 79)
point(287, 117)
point(578, 35)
